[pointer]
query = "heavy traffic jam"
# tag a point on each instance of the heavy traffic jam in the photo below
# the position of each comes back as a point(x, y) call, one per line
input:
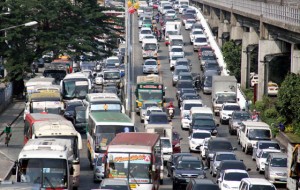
point(72, 101)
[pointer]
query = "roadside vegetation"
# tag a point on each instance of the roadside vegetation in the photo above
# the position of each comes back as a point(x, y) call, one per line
point(283, 109)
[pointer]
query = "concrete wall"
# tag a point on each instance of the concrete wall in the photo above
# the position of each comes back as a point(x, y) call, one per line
point(6, 93)
point(265, 47)
point(295, 59)
point(248, 38)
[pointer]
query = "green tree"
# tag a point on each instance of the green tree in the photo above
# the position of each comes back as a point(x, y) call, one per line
point(62, 27)
point(232, 57)
point(289, 98)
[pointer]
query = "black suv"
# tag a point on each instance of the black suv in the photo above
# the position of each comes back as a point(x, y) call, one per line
point(204, 123)
point(206, 184)
point(186, 168)
point(230, 164)
point(216, 145)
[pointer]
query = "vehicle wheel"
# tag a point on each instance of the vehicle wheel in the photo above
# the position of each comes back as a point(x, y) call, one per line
point(214, 175)
point(243, 149)
point(161, 181)
point(238, 141)
point(174, 186)
point(246, 150)
point(221, 121)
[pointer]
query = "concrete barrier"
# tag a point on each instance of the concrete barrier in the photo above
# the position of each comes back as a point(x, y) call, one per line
point(240, 95)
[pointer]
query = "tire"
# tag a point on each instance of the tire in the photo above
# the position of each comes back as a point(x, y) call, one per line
point(221, 121)
point(161, 181)
point(174, 186)
point(246, 150)
point(243, 149)
point(214, 175)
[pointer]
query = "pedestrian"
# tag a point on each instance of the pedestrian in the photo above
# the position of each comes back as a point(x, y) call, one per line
point(158, 35)
point(255, 116)
point(163, 31)
point(281, 127)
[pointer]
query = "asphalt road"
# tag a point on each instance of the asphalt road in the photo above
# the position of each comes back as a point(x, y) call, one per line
point(86, 178)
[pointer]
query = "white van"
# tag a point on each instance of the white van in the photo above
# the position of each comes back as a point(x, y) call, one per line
point(252, 131)
point(175, 40)
point(161, 5)
point(183, 2)
point(150, 48)
point(172, 28)
point(185, 111)
point(205, 111)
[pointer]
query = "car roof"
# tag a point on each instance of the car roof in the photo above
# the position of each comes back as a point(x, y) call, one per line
point(185, 74)
point(108, 181)
point(278, 155)
point(201, 131)
point(182, 154)
point(231, 104)
point(181, 67)
point(235, 171)
point(189, 158)
point(203, 181)
point(158, 113)
point(219, 139)
point(210, 72)
point(266, 141)
point(257, 181)
point(240, 111)
point(224, 152)
point(232, 161)
point(150, 60)
point(271, 150)
point(182, 59)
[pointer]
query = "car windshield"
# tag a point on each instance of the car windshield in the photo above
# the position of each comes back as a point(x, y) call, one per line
point(203, 123)
point(235, 176)
point(262, 187)
point(165, 143)
point(149, 46)
point(261, 134)
point(148, 21)
point(265, 154)
point(201, 135)
point(150, 94)
point(210, 66)
point(219, 145)
point(146, 32)
point(189, 165)
point(147, 105)
point(208, 58)
point(279, 162)
point(186, 77)
point(198, 32)
point(200, 40)
point(189, 106)
point(177, 42)
point(185, 85)
point(112, 61)
point(190, 21)
point(174, 58)
point(150, 63)
point(149, 37)
point(158, 119)
point(232, 165)
point(231, 107)
point(177, 71)
point(177, 50)
point(221, 157)
point(266, 145)
point(241, 116)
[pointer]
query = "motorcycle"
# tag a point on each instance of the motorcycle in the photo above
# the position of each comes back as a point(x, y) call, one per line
point(171, 112)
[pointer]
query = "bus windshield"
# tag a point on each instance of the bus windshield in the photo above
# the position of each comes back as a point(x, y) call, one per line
point(133, 166)
point(106, 106)
point(112, 75)
point(50, 173)
point(75, 88)
point(115, 129)
point(150, 94)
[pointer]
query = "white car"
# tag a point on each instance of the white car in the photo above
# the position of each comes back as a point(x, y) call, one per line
point(143, 110)
point(203, 147)
point(166, 146)
point(261, 145)
point(99, 79)
point(254, 80)
point(185, 111)
point(181, 7)
point(148, 36)
point(144, 31)
point(176, 5)
point(171, 13)
point(262, 158)
point(272, 89)
point(151, 110)
point(226, 111)
point(150, 66)
point(199, 41)
point(197, 138)
point(142, 18)
point(173, 60)
point(195, 32)
point(176, 51)
point(166, 7)
point(231, 179)
point(189, 24)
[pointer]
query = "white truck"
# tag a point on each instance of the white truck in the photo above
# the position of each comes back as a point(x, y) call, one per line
point(166, 133)
point(172, 28)
point(149, 48)
point(224, 89)
point(183, 2)
point(45, 162)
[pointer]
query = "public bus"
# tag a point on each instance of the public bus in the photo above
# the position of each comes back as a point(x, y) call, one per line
point(103, 102)
point(45, 162)
point(102, 128)
point(44, 125)
point(75, 85)
point(149, 87)
point(44, 101)
point(136, 157)
point(32, 83)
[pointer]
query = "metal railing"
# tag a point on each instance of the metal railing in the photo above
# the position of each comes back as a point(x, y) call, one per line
point(279, 13)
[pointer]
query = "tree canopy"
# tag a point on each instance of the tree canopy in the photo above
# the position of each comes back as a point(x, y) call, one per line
point(62, 27)
point(232, 57)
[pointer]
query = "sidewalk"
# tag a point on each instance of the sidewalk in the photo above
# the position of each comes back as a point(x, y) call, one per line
point(7, 156)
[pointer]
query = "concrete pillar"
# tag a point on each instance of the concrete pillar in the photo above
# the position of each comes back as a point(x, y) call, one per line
point(295, 58)
point(248, 38)
point(265, 47)
point(223, 27)
point(213, 19)
point(205, 10)
point(236, 32)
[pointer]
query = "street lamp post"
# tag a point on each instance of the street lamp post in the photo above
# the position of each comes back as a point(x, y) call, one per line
point(249, 49)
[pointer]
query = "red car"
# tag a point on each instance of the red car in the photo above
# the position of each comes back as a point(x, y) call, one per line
point(176, 142)
point(202, 49)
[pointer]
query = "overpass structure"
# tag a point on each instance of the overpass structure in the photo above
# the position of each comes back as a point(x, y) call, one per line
point(273, 30)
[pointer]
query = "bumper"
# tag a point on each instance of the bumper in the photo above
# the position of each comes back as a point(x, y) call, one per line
point(194, 147)
point(278, 179)
point(185, 124)
point(181, 181)
point(150, 71)
point(98, 177)
point(206, 90)
point(166, 156)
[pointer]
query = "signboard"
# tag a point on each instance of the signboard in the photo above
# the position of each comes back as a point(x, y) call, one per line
point(150, 86)
point(98, 107)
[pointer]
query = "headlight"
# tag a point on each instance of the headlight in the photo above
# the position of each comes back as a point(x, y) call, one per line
point(201, 176)
point(177, 175)
point(193, 142)
point(226, 186)
point(210, 155)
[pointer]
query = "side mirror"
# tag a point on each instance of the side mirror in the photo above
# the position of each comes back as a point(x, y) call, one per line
point(234, 148)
